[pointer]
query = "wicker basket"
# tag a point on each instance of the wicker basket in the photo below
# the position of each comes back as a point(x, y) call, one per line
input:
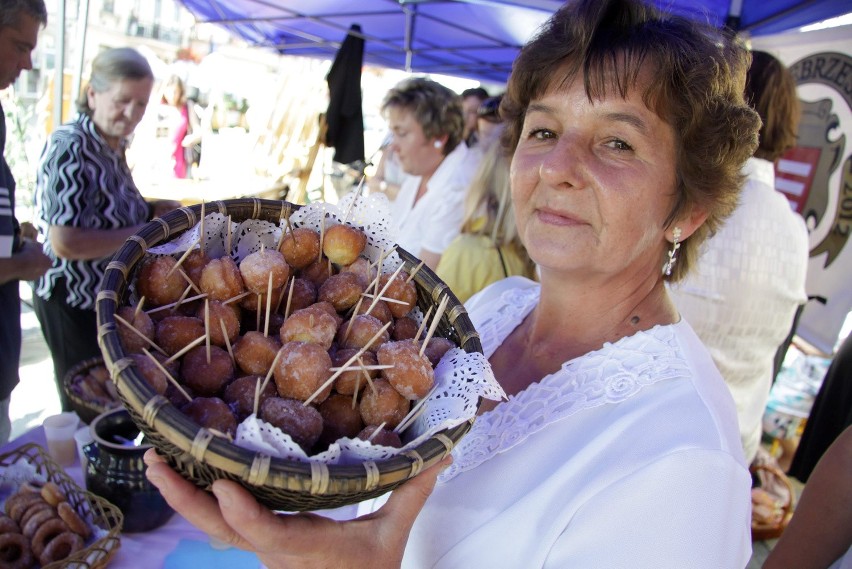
point(202, 458)
point(93, 508)
point(768, 473)
point(85, 409)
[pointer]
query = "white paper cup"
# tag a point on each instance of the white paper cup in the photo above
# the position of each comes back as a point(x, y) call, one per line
point(82, 437)
point(59, 432)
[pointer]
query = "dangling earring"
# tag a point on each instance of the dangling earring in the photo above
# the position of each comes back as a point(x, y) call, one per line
point(667, 267)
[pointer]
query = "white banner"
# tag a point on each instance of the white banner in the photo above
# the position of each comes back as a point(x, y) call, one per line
point(817, 175)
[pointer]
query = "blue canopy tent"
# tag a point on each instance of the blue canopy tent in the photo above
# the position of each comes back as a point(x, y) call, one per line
point(477, 39)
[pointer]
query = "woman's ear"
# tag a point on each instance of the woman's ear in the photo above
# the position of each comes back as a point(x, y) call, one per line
point(90, 97)
point(687, 224)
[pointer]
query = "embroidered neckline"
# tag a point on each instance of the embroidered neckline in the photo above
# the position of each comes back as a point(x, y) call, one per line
point(610, 375)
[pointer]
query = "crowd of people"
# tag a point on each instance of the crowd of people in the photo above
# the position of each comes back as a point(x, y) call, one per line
point(608, 221)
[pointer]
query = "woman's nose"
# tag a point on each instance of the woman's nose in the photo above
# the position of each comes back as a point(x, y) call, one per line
point(562, 164)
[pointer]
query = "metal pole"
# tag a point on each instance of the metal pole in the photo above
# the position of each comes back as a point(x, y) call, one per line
point(59, 69)
point(83, 27)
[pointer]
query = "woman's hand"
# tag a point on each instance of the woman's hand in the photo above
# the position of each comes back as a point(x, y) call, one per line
point(303, 540)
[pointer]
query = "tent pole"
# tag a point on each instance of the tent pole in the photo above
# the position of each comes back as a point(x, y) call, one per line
point(59, 73)
point(83, 21)
point(410, 15)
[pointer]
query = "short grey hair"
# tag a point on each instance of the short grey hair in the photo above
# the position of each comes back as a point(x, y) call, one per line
point(11, 10)
point(111, 66)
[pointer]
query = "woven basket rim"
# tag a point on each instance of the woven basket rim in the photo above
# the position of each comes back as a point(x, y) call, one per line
point(104, 548)
point(240, 463)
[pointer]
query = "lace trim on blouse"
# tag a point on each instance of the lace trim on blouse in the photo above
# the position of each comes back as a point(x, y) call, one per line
point(609, 375)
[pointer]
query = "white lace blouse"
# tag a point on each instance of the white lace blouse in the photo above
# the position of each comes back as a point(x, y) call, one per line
point(627, 457)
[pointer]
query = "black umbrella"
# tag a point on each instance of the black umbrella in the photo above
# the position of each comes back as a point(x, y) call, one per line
point(344, 117)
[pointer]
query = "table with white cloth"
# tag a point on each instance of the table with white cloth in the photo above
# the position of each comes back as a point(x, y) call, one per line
point(175, 545)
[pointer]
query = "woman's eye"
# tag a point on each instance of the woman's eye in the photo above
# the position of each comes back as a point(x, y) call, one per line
point(619, 144)
point(541, 134)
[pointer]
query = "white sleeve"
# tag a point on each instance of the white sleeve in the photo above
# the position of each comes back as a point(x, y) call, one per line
point(444, 222)
point(654, 519)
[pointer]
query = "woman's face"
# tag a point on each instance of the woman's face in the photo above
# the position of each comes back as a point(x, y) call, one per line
point(117, 110)
point(592, 183)
point(418, 155)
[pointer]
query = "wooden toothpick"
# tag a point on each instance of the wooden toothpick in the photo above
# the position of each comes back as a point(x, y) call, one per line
point(227, 340)
point(133, 329)
point(183, 257)
point(171, 379)
point(435, 321)
point(186, 348)
point(262, 387)
point(178, 303)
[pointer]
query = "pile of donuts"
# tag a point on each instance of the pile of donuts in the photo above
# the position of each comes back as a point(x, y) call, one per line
point(309, 336)
point(94, 386)
point(39, 526)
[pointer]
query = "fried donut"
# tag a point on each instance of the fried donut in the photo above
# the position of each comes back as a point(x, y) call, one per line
point(52, 494)
point(383, 405)
point(15, 552)
point(130, 341)
point(304, 295)
point(60, 547)
point(221, 279)
point(239, 394)
point(301, 247)
point(17, 504)
point(194, 264)
point(48, 531)
point(174, 333)
point(350, 381)
point(384, 437)
point(256, 302)
point(412, 374)
point(302, 368)
point(341, 290)
point(254, 352)
point(436, 347)
point(339, 419)
point(309, 325)
point(380, 310)
point(212, 413)
point(317, 271)
point(358, 332)
point(73, 520)
point(207, 378)
point(32, 522)
point(151, 373)
point(216, 313)
point(399, 289)
point(257, 267)
point(302, 422)
point(363, 268)
point(404, 328)
point(343, 243)
point(8, 525)
point(156, 284)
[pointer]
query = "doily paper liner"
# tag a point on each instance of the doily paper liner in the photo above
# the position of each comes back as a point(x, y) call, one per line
point(461, 378)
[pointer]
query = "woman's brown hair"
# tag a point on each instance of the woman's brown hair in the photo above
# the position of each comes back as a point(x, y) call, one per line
point(771, 91)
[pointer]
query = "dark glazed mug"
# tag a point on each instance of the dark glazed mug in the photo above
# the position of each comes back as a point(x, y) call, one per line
point(116, 472)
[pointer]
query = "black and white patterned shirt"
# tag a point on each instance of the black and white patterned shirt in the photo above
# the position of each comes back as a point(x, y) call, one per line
point(82, 182)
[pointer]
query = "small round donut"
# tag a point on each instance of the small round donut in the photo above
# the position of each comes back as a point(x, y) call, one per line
point(359, 331)
point(17, 504)
point(436, 347)
point(194, 264)
point(384, 437)
point(340, 418)
point(302, 422)
point(15, 552)
point(309, 325)
point(46, 533)
point(404, 328)
point(239, 394)
point(256, 302)
point(156, 284)
point(73, 520)
point(130, 341)
point(60, 547)
point(301, 247)
point(383, 405)
point(221, 279)
point(341, 290)
point(349, 382)
point(52, 494)
point(8, 525)
point(318, 271)
point(207, 378)
point(412, 374)
point(322, 306)
point(304, 295)
point(254, 352)
point(301, 370)
point(216, 313)
point(151, 373)
point(212, 413)
point(399, 289)
point(174, 333)
point(30, 523)
point(343, 243)
point(380, 310)
point(256, 269)
point(363, 268)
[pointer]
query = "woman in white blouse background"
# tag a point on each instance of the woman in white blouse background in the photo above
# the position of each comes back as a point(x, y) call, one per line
point(618, 444)
point(88, 204)
point(427, 123)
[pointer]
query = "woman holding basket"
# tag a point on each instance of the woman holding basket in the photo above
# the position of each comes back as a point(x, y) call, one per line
point(618, 445)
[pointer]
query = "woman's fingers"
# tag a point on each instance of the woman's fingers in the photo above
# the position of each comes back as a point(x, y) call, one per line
point(197, 506)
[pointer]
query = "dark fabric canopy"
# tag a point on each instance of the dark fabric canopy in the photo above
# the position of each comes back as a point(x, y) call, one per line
point(477, 39)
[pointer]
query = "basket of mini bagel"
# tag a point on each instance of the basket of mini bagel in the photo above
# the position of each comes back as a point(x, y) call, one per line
point(294, 349)
point(47, 520)
point(90, 390)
